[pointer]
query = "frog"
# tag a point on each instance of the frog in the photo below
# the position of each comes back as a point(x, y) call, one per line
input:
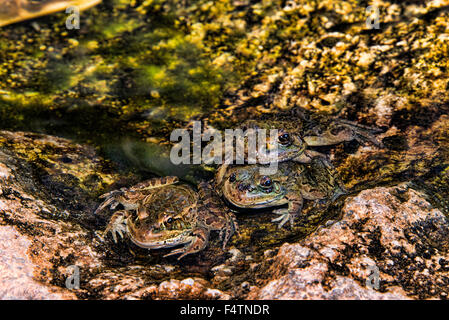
point(13, 11)
point(248, 187)
point(162, 213)
point(299, 133)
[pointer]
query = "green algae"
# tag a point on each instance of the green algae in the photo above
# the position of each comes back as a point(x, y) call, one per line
point(131, 60)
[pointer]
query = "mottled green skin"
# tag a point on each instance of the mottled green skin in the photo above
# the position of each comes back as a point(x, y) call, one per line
point(248, 187)
point(297, 134)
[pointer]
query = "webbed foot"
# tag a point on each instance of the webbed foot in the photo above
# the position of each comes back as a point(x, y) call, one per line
point(284, 217)
point(117, 225)
point(199, 241)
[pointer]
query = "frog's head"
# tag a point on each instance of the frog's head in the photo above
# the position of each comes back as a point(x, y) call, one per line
point(289, 145)
point(287, 140)
point(168, 230)
point(245, 187)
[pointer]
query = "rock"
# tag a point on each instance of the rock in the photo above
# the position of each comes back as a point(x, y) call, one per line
point(393, 231)
point(189, 288)
point(222, 270)
point(35, 201)
point(16, 271)
point(237, 256)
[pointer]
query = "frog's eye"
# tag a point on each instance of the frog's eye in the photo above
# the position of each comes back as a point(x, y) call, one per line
point(285, 139)
point(169, 220)
point(232, 177)
point(266, 182)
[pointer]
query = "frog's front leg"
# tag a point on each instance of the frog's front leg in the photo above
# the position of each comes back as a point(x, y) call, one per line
point(295, 203)
point(200, 239)
point(117, 224)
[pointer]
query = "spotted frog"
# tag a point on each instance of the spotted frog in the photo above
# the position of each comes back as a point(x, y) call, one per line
point(246, 187)
point(299, 133)
point(162, 213)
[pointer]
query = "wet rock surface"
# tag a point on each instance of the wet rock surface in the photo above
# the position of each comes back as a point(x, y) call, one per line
point(392, 232)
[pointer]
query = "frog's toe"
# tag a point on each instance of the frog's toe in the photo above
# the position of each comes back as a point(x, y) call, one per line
point(114, 234)
point(183, 251)
point(104, 204)
point(188, 249)
point(284, 216)
point(198, 242)
point(117, 225)
point(114, 237)
point(120, 229)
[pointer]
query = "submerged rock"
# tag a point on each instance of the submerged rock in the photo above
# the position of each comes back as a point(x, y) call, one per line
point(393, 232)
point(17, 270)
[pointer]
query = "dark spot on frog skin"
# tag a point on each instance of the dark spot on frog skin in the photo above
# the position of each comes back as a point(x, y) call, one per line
point(396, 142)
point(243, 186)
point(65, 159)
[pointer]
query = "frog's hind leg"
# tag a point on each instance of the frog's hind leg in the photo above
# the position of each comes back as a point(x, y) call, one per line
point(347, 130)
point(362, 133)
point(229, 230)
point(309, 155)
point(295, 204)
point(200, 239)
point(215, 215)
point(343, 130)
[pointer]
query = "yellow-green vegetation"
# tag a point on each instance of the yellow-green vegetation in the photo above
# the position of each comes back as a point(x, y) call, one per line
point(175, 60)
point(128, 59)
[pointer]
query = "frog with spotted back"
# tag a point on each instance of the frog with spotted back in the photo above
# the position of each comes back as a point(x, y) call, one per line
point(160, 213)
point(245, 187)
point(298, 134)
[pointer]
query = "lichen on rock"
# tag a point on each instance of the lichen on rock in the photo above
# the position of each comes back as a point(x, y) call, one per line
point(392, 230)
